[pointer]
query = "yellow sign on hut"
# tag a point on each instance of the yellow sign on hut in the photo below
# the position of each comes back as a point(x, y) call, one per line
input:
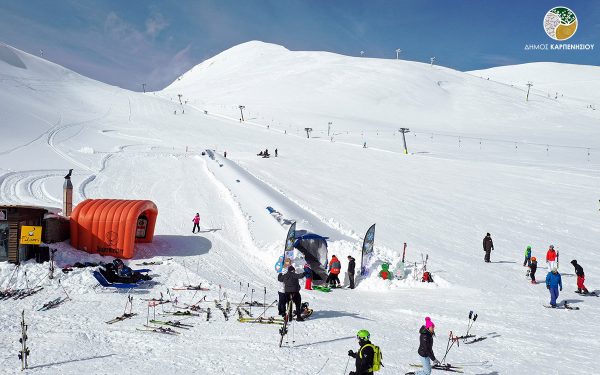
point(31, 235)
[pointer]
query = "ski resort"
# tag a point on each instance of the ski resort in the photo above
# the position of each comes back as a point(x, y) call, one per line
point(283, 211)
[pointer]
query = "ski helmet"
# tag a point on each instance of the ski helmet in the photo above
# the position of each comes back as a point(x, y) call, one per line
point(529, 247)
point(533, 259)
point(363, 334)
point(552, 246)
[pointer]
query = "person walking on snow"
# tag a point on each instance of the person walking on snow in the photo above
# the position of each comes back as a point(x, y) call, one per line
point(553, 283)
point(551, 258)
point(527, 260)
point(196, 221)
point(308, 274)
point(365, 355)
point(580, 277)
point(334, 270)
point(426, 348)
point(488, 246)
point(292, 289)
point(532, 269)
point(351, 268)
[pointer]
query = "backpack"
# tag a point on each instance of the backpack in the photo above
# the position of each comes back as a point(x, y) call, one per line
point(427, 277)
point(377, 357)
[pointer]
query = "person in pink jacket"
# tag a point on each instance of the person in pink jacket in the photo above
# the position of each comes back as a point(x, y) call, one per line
point(196, 221)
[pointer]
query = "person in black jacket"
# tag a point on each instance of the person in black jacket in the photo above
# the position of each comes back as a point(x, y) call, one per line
point(291, 288)
point(351, 267)
point(532, 269)
point(365, 355)
point(426, 348)
point(580, 277)
point(488, 246)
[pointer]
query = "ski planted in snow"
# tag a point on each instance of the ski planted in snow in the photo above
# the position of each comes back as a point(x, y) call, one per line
point(24, 352)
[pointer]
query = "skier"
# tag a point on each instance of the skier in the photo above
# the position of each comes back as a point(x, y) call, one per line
point(334, 270)
point(196, 221)
point(551, 258)
point(292, 289)
point(275, 152)
point(367, 361)
point(426, 348)
point(282, 296)
point(225, 154)
point(488, 246)
point(351, 267)
point(527, 260)
point(553, 283)
point(308, 274)
point(580, 277)
point(533, 268)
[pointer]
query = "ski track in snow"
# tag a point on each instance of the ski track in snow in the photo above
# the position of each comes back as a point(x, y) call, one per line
point(240, 241)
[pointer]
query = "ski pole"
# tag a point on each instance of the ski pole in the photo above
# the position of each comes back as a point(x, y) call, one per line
point(268, 307)
point(63, 288)
point(265, 299)
point(347, 362)
point(448, 346)
point(251, 299)
point(451, 345)
point(470, 316)
point(471, 325)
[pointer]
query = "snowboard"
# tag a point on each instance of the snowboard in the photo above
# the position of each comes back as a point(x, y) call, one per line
point(589, 294)
point(321, 288)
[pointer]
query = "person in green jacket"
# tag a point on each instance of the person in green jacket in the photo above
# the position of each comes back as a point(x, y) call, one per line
point(527, 261)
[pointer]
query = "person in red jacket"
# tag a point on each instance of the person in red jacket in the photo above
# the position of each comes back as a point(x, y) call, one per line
point(551, 258)
point(334, 270)
point(196, 221)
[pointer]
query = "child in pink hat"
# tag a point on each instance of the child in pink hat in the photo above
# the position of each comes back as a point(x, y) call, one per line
point(426, 348)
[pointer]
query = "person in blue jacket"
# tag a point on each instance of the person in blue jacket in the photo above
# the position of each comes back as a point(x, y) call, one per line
point(553, 283)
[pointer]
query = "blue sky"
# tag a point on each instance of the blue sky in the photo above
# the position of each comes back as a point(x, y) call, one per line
point(127, 43)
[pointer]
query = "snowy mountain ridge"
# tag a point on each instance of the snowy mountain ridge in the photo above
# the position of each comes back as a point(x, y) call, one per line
point(496, 170)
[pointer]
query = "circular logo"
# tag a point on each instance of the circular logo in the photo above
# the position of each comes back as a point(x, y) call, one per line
point(560, 23)
point(111, 239)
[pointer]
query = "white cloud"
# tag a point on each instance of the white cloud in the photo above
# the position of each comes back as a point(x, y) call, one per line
point(155, 24)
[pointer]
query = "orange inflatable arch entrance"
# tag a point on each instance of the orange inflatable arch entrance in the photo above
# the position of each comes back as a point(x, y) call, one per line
point(112, 226)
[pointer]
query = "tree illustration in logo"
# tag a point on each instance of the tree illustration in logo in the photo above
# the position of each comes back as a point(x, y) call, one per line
point(560, 23)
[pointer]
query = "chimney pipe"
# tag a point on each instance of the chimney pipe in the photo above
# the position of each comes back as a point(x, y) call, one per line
point(68, 195)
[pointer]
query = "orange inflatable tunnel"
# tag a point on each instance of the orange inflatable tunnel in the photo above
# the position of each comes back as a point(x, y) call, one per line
point(112, 226)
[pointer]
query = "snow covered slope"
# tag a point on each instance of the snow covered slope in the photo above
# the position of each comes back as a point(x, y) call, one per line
point(571, 82)
point(480, 160)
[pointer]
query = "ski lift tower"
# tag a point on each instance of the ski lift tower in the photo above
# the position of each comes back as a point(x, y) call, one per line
point(529, 84)
point(404, 131)
point(432, 59)
point(398, 53)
